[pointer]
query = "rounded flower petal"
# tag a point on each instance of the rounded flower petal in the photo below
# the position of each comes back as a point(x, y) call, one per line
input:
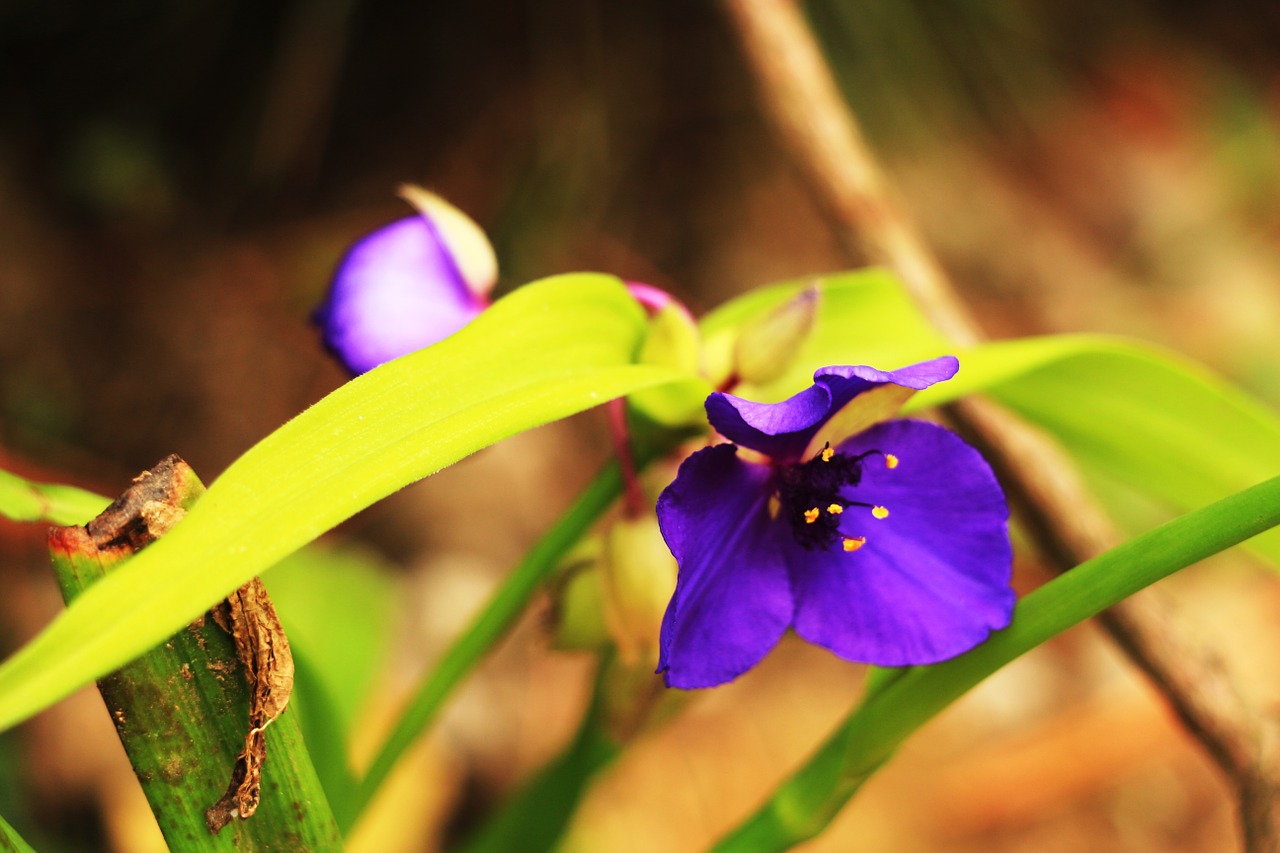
point(783, 430)
point(932, 578)
point(462, 237)
point(733, 598)
point(848, 382)
point(397, 290)
point(780, 430)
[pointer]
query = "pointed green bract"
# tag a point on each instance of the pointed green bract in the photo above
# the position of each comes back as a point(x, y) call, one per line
point(549, 350)
point(863, 317)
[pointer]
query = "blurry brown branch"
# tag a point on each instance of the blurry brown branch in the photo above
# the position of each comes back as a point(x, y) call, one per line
point(821, 135)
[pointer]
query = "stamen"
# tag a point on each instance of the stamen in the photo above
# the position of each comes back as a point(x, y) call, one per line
point(835, 509)
point(890, 461)
point(827, 453)
point(880, 512)
point(811, 515)
point(853, 543)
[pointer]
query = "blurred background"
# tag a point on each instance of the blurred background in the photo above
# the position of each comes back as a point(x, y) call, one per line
point(177, 181)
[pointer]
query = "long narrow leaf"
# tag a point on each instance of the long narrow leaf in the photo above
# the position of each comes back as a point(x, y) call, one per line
point(11, 841)
point(24, 500)
point(547, 351)
point(1163, 426)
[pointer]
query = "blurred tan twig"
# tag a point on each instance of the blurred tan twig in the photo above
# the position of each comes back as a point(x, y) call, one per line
point(822, 137)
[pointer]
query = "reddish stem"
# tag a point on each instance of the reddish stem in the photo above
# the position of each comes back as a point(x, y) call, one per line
point(632, 495)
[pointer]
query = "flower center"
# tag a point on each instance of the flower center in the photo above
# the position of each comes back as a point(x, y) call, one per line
point(809, 499)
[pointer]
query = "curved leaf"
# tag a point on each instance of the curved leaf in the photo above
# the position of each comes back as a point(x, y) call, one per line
point(548, 350)
point(10, 841)
point(1165, 427)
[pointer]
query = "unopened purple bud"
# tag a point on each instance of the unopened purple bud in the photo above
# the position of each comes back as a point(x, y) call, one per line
point(407, 285)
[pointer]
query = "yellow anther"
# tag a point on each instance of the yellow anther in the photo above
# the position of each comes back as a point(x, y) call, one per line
point(835, 509)
point(854, 543)
point(827, 453)
point(890, 461)
point(811, 515)
point(879, 512)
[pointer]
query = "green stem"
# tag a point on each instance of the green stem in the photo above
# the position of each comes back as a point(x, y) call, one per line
point(501, 612)
point(533, 820)
point(803, 805)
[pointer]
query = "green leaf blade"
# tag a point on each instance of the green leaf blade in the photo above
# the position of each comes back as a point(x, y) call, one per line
point(25, 500)
point(549, 350)
point(11, 841)
point(1132, 413)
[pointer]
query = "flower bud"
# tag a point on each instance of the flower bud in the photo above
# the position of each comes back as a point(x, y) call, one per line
point(639, 576)
point(407, 285)
point(577, 593)
point(465, 240)
point(768, 344)
point(671, 340)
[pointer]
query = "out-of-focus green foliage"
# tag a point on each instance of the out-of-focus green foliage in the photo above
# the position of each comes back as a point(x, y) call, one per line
point(23, 500)
point(340, 611)
point(10, 841)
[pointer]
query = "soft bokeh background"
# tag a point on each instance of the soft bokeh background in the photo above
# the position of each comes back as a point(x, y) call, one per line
point(176, 181)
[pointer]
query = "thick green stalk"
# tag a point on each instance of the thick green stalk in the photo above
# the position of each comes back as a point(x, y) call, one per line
point(182, 709)
point(803, 805)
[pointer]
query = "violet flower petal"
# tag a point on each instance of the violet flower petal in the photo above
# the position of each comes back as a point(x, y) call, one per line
point(783, 430)
point(774, 429)
point(397, 290)
point(733, 598)
point(932, 579)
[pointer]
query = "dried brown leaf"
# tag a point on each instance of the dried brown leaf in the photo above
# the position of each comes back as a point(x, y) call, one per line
point(250, 618)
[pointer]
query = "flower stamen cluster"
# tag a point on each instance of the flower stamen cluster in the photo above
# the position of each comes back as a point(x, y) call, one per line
point(808, 496)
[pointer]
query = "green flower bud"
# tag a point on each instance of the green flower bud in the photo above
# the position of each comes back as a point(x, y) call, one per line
point(639, 576)
point(672, 341)
point(577, 618)
point(767, 345)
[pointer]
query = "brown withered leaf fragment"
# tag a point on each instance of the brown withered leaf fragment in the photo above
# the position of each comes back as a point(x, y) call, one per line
point(250, 618)
point(146, 511)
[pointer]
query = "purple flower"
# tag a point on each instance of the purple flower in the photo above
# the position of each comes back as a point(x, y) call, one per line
point(884, 541)
point(407, 285)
